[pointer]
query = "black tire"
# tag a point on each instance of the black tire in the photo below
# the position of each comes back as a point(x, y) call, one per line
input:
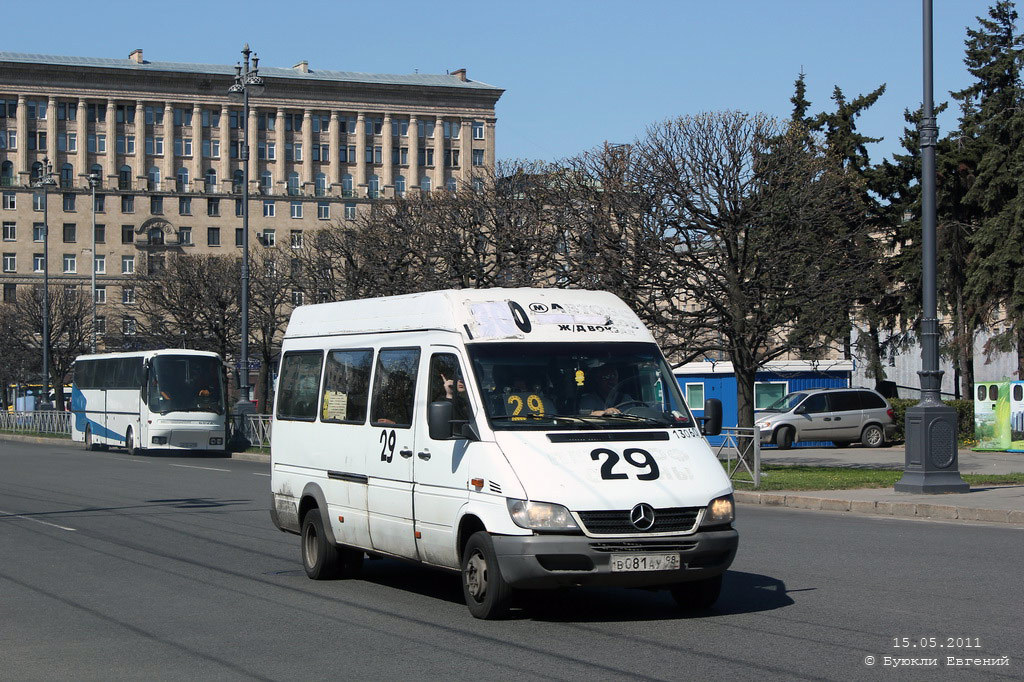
point(130, 445)
point(697, 595)
point(784, 437)
point(320, 558)
point(89, 445)
point(873, 436)
point(486, 592)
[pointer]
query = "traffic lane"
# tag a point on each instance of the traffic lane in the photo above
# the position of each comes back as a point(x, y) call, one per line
point(224, 608)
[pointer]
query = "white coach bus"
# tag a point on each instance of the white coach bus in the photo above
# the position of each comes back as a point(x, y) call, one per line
point(527, 438)
point(160, 399)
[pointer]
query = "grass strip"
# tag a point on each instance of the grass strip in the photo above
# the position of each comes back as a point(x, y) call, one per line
point(798, 477)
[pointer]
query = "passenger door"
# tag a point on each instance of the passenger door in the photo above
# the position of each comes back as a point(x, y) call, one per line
point(441, 466)
point(390, 452)
point(846, 416)
point(811, 421)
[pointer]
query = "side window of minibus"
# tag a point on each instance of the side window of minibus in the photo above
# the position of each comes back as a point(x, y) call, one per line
point(299, 385)
point(446, 382)
point(346, 386)
point(394, 387)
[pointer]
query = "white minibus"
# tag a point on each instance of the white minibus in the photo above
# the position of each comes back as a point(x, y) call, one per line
point(526, 438)
point(170, 399)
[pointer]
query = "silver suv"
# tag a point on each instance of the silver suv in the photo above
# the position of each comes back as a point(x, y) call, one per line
point(841, 415)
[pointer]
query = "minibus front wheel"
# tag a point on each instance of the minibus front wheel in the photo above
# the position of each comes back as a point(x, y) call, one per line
point(486, 592)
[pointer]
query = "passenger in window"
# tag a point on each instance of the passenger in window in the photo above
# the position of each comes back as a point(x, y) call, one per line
point(455, 392)
point(605, 395)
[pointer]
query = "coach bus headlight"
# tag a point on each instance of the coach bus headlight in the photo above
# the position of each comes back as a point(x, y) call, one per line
point(216, 441)
point(159, 440)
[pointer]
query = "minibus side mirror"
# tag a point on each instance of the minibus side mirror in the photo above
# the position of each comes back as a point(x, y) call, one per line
point(712, 425)
point(441, 425)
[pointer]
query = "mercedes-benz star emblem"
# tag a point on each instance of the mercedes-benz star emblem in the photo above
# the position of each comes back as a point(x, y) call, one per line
point(642, 516)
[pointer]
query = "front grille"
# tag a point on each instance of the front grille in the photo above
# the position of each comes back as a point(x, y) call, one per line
point(644, 546)
point(668, 520)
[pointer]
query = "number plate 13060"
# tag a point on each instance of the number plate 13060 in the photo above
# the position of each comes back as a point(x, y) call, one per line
point(644, 562)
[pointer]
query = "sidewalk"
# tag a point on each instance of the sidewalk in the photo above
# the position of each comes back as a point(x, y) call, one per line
point(999, 504)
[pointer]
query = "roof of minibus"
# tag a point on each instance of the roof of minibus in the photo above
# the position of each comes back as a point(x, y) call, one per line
point(479, 315)
point(148, 354)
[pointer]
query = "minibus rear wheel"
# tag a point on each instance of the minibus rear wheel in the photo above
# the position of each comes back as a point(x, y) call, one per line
point(486, 592)
point(320, 558)
point(697, 595)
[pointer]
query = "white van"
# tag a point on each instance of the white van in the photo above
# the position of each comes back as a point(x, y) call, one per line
point(528, 438)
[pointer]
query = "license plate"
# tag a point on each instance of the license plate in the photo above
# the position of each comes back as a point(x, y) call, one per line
point(188, 445)
point(644, 562)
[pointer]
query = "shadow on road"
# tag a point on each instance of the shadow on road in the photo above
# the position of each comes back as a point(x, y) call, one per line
point(741, 593)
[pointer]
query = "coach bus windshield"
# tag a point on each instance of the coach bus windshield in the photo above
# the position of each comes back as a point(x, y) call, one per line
point(577, 386)
point(185, 383)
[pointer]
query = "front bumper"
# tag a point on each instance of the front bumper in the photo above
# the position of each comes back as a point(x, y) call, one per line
point(545, 561)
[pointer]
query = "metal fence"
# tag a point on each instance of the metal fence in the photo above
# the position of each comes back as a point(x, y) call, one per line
point(741, 450)
point(41, 421)
point(257, 430)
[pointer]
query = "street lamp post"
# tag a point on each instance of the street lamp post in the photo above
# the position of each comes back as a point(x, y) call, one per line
point(94, 180)
point(247, 81)
point(44, 182)
point(930, 453)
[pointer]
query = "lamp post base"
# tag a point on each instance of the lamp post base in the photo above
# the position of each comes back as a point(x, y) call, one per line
point(239, 441)
point(931, 465)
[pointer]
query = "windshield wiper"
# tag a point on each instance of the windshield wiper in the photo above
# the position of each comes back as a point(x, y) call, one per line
point(584, 419)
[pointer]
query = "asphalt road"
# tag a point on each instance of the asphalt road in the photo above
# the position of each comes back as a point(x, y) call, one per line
point(168, 568)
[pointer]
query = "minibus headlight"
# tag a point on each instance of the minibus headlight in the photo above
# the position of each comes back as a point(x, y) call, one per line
point(721, 510)
point(541, 515)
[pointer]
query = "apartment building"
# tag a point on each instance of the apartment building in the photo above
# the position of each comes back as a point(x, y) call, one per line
point(165, 142)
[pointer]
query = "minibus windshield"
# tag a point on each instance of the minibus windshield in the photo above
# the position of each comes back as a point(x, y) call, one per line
point(185, 383)
point(577, 386)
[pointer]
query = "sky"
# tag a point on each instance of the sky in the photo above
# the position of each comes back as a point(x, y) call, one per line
point(575, 73)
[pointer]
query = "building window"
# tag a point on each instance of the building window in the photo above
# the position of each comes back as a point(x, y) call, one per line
point(100, 204)
point(478, 130)
point(767, 392)
point(350, 211)
point(320, 185)
point(425, 183)
point(10, 292)
point(96, 111)
point(100, 234)
point(451, 158)
point(322, 153)
point(211, 148)
point(185, 236)
point(374, 187)
point(213, 236)
point(101, 295)
point(268, 209)
point(293, 184)
point(156, 205)
point(695, 395)
point(296, 239)
point(296, 208)
point(155, 146)
point(451, 185)
point(124, 177)
point(67, 142)
point(425, 157)
point(156, 264)
point(182, 116)
point(70, 233)
point(38, 263)
point(36, 110)
point(183, 146)
point(128, 295)
point(97, 144)
point(127, 265)
point(155, 236)
point(213, 207)
point(99, 264)
point(346, 185)
point(70, 263)
point(38, 232)
point(211, 118)
point(69, 203)
point(10, 262)
point(239, 237)
point(181, 178)
point(323, 210)
point(210, 180)
point(238, 208)
point(127, 203)
point(297, 297)
point(269, 238)
point(127, 234)
point(10, 232)
point(125, 113)
point(266, 182)
point(128, 326)
point(478, 157)
point(184, 205)
point(101, 326)
point(154, 179)
point(400, 186)
point(9, 202)
point(452, 129)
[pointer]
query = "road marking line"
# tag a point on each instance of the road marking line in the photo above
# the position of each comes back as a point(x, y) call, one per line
point(189, 466)
point(29, 518)
point(261, 474)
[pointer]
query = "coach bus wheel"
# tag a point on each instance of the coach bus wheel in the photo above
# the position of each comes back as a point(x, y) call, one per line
point(89, 445)
point(129, 444)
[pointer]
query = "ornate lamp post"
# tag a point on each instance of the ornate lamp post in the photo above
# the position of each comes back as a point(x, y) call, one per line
point(44, 182)
point(247, 81)
point(94, 181)
point(930, 464)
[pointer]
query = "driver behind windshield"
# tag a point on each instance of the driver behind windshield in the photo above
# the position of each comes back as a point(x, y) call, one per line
point(604, 394)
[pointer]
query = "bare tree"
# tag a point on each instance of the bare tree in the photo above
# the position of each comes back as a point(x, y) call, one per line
point(761, 242)
point(69, 326)
point(192, 301)
point(274, 272)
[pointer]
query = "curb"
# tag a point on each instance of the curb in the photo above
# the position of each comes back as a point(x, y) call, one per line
point(918, 510)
